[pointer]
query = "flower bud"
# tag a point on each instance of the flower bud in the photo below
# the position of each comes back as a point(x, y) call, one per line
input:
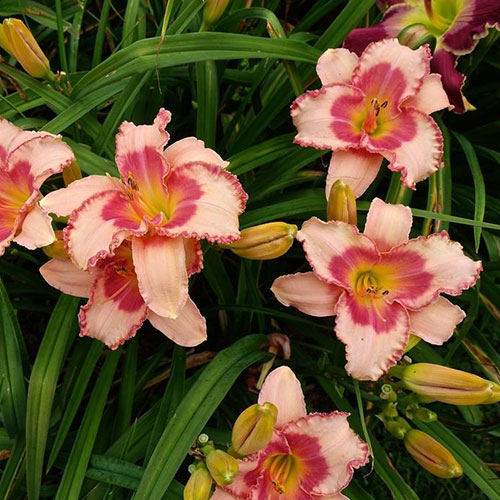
point(57, 249)
point(341, 204)
point(199, 485)
point(265, 242)
point(222, 466)
point(397, 427)
point(440, 383)
point(71, 173)
point(425, 415)
point(387, 393)
point(17, 40)
point(213, 11)
point(431, 455)
point(254, 428)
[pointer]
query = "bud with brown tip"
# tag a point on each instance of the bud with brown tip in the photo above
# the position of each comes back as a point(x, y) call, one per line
point(341, 204)
point(254, 428)
point(440, 383)
point(431, 455)
point(265, 242)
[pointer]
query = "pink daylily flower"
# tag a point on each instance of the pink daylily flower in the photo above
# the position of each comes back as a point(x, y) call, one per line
point(165, 202)
point(116, 309)
point(457, 25)
point(310, 457)
point(374, 107)
point(27, 159)
point(380, 285)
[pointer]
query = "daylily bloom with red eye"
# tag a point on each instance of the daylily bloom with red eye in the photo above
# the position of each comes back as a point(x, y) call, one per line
point(27, 159)
point(457, 26)
point(310, 457)
point(115, 309)
point(165, 201)
point(380, 285)
point(374, 107)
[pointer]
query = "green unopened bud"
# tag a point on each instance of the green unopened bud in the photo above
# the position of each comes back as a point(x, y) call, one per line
point(412, 342)
point(57, 250)
point(71, 173)
point(391, 410)
point(265, 242)
point(199, 485)
point(222, 466)
point(431, 455)
point(397, 427)
point(213, 11)
point(254, 428)
point(387, 393)
point(17, 40)
point(425, 415)
point(341, 204)
point(440, 383)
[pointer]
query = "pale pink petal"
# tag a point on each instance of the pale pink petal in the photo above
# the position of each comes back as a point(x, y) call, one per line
point(191, 150)
point(36, 229)
point(324, 117)
point(63, 275)
point(7, 133)
point(337, 496)
point(194, 255)
point(388, 225)
point(220, 494)
point(328, 451)
point(418, 271)
point(99, 226)
point(436, 322)
point(45, 155)
point(431, 96)
point(355, 167)
point(334, 249)
point(139, 154)
point(63, 201)
point(336, 66)
point(391, 72)
point(307, 293)
point(282, 388)
point(250, 469)
point(189, 329)
point(160, 264)
point(413, 145)
point(375, 334)
point(206, 203)
point(115, 310)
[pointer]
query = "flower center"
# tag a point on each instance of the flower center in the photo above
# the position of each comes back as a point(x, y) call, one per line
point(282, 472)
point(370, 122)
point(441, 14)
point(367, 284)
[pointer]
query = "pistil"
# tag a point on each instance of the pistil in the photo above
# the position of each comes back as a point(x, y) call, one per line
point(280, 469)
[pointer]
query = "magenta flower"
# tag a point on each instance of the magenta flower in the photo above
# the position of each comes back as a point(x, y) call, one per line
point(115, 309)
point(379, 285)
point(27, 159)
point(457, 26)
point(374, 107)
point(310, 457)
point(165, 202)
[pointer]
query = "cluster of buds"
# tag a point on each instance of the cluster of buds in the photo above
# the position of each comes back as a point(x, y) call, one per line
point(17, 40)
point(265, 241)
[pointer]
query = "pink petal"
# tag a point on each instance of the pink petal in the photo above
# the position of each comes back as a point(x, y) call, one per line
point(336, 66)
point(189, 329)
point(194, 255)
point(337, 496)
point(375, 335)
point(63, 201)
point(207, 201)
point(391, 72)
point(334, 249)
point(191, 150)
point(413, 146)
point(44, 153)
point(115, 310)
point(328, 451)
point(66, 277)
point(220, 494)
point(418, 271)
point(160, 264)
point(436, 322)
point(355, 167)
point(388, 225)
point(139, 154)
point(250, 470)
point(7, 133)
point(99, 226)
point(282, 388)
point(473, 19)
point(307, 293)
point(431, 97)
point(36, 229)
point(324, 117)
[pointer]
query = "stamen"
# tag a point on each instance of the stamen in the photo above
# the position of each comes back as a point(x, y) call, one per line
point(279, 471)
point(376, 309)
